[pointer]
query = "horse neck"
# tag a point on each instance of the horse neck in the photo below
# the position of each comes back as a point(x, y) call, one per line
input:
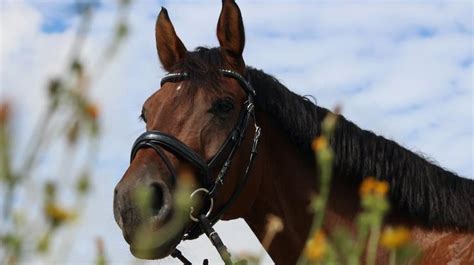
point(287, 183)
point(288, 180)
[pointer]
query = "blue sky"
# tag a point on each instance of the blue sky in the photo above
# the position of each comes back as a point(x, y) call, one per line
point(57, 17)
point(401, 69)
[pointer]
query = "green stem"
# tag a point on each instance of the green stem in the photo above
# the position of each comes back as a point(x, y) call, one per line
point(373, 242)
point(324, 161)
point(36, 142)
point(393, 257)
point(326, 170)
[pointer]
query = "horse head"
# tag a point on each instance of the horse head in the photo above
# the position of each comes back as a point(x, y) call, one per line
point(195, 124)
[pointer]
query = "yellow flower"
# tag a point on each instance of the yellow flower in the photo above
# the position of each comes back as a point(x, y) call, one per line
point(393, 238)
point(372, 186)
point(319, 143)
point(316, 247)
point(92, 111)
point(367, 186)
point(58, 214)
point(381, 188)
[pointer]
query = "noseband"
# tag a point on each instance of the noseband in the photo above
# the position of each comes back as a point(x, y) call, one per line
point(160, 141)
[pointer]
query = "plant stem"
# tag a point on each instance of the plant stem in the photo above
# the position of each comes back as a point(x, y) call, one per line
point(393, 257)
point(324, 161)
point(373, 242)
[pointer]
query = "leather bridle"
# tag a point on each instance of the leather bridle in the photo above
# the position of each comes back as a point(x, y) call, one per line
point(160, 141)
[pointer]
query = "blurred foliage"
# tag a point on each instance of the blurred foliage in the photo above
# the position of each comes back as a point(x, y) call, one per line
point(343, 246)
point(31, 219)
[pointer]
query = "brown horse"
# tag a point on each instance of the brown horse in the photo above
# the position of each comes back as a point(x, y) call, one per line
point(188, 123)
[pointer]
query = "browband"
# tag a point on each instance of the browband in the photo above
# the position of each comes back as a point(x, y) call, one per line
point(181, 76)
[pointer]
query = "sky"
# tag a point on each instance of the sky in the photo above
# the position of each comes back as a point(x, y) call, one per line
point(402, 69)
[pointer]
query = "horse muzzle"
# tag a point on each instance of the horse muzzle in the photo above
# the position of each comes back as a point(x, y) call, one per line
point(141, 207)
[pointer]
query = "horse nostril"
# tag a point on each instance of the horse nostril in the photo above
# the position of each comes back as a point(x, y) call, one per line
point(160, 203)
point(157, 198)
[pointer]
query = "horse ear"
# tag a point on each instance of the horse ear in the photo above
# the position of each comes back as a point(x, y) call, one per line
point(230, 32)
point(169, 46)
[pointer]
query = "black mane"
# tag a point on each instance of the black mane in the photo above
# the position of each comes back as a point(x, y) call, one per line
point(438, 197)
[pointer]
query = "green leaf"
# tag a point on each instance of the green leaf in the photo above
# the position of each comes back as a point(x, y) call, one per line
point(121, 31)
point(50, 190)
point(43, 244)
point(83, 183)
point(76, 66)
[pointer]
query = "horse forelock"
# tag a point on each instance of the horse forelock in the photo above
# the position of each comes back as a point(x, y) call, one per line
point(202, 65)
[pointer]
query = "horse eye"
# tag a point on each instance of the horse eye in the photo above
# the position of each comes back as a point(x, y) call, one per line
point(222, 106)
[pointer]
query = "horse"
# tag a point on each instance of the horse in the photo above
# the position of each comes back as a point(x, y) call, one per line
point(213, 114)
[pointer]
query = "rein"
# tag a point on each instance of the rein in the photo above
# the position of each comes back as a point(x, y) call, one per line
point(208, 216)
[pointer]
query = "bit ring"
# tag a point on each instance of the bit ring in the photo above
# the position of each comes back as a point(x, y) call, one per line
point(206, 191)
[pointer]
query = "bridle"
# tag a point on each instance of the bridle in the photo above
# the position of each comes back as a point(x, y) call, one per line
point(160, 141)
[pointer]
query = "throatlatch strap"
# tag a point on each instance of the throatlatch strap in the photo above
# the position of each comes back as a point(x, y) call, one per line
point(215, 239)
